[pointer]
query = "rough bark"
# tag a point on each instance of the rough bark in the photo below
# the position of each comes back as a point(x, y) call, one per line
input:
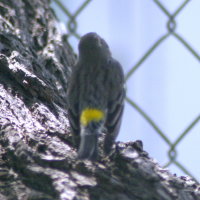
point(37, 158)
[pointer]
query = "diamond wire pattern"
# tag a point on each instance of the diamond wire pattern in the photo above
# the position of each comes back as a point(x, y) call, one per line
point(171, 31)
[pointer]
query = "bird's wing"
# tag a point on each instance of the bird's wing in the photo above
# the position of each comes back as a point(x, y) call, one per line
point(115, 103)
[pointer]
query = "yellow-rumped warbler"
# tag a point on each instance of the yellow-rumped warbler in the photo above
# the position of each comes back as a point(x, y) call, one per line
point(95, 96)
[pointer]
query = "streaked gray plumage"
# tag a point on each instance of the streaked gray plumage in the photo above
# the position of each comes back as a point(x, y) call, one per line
point(97, 82)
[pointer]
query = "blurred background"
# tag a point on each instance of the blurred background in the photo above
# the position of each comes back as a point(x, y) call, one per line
point(158, 45)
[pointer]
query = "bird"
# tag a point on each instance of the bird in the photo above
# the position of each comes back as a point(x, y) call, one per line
point(95, 96)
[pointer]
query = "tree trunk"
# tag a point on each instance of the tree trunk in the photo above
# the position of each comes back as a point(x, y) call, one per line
point(37, 158)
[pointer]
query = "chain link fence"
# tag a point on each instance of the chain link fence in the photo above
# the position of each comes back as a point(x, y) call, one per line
point(72, 25)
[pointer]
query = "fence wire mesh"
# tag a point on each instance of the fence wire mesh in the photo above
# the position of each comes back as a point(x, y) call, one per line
point(72, 25)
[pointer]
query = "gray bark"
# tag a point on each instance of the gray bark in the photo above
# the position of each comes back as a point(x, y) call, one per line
point(37, 157)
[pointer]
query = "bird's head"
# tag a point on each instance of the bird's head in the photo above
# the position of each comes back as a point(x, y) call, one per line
point(92, 46)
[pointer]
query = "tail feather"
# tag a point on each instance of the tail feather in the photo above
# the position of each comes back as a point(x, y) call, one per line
point(91, 123)
point(88, 146)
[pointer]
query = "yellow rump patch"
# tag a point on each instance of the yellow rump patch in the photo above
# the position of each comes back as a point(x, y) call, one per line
point(90, 114)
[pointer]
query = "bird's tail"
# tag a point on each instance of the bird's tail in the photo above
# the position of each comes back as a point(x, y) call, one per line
point(91, 121)
point(88, 145)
